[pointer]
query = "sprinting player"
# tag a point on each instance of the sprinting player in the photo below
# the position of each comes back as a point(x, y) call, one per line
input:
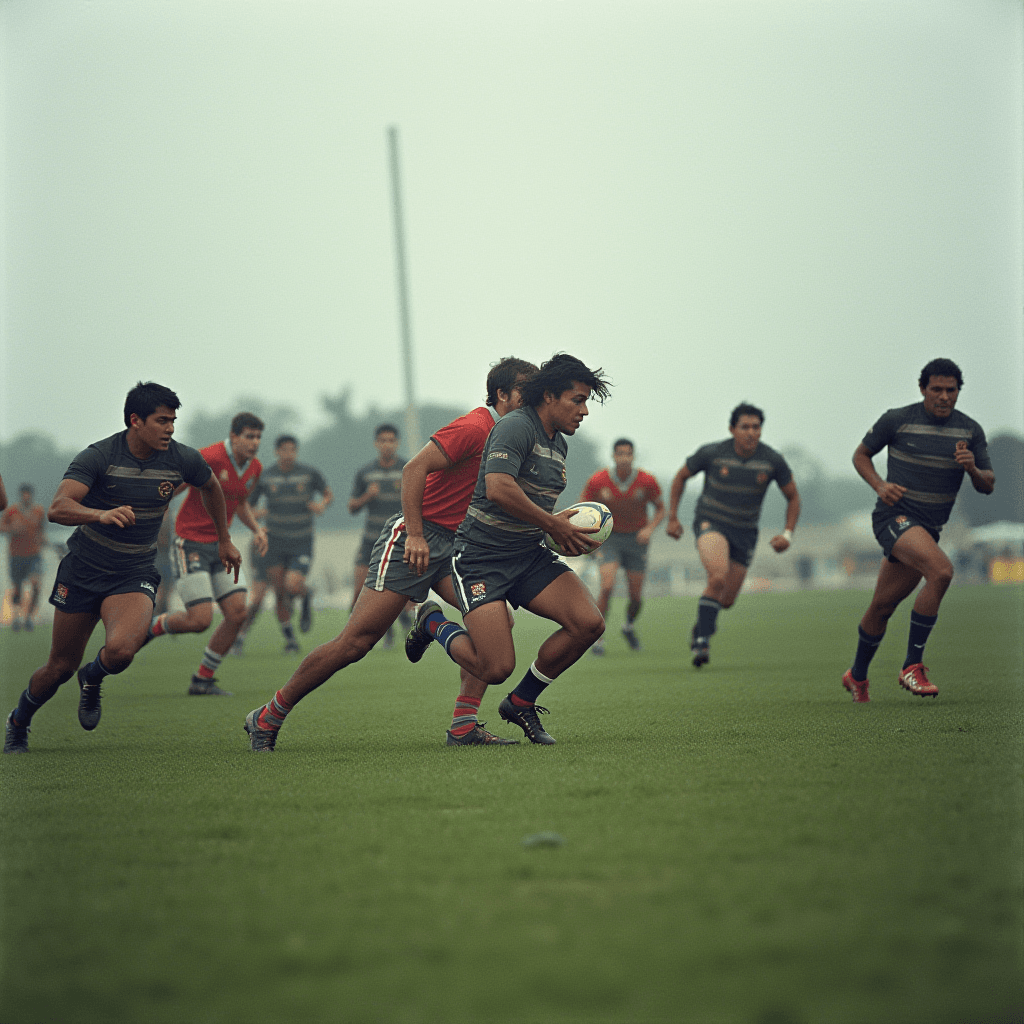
point(627, 492)
point(288, 487)
point(411, 556)
point(115, 492)
point(24, 522)
point(195, 558)
point(737, 473)
point(377, 488)
point(500, 554)
point(259, 584)
point(931, 447)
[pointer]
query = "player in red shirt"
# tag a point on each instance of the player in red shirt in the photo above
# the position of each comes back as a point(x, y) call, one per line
point(411, 556)
point(24, 522)
point(194, 559)
point(627, 492)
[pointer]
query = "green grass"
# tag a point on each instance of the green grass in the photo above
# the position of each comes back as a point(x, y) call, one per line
point(742, 844)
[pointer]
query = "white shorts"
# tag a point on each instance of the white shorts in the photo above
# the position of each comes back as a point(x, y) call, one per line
point(199, 573)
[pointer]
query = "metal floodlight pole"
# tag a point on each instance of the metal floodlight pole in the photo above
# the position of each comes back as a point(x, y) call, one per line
point(412, 418)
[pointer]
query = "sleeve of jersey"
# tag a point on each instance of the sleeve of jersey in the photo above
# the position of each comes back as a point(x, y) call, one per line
point(358, 485)
point(980, 448)
point(195, 471)
point(652, 487)
point(319, 483)
point(508, 446)
point(879, 436)
point(783, 474)
point(698, 461)
point(86, 467)
point(461, 439)
point(590, 489)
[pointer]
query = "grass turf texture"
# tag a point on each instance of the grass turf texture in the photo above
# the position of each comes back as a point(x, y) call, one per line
point(742, 844)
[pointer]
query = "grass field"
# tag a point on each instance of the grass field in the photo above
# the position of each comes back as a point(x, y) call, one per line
point(742, 844)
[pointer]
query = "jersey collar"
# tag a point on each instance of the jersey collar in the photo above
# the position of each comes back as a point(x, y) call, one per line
point(239, 469)
point(622, 486)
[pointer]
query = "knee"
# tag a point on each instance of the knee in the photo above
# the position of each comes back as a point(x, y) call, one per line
point(727, 601)
point(235, 615)
point(118, 655)
point(590, 628)
point(943, 575)
point(198, 618)
point(716, 581)
point(498, 671)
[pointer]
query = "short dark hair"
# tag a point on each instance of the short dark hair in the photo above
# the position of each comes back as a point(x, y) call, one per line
point(940, 368)
point(745, 409)
point(502, 376)
point(145, 398)
point(383, 428)
point(624, 440)
point(245, 421)
point(557, 376)
point(26, 487)
point(286, 439)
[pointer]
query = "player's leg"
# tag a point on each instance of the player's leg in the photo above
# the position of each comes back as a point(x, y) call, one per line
point(374, 613)
point(33, 598)
point(233, 607)
point(257, 594)
point(17, 575)
point(607, 572)
point(283, 607)
point(713, 550)
point(635, 585)
point(358, 580)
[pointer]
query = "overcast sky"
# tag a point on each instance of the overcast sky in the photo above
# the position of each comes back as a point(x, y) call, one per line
point(792, 203)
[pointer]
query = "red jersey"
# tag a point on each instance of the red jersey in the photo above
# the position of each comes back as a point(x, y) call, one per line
point(26, 529)
point(627, 499)
point(447, 492)
point(194, 522)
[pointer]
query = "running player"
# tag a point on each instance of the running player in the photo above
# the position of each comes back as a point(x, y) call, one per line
point(115, 492)
point(500, 554)
point(737, 473)
point(931, 447)
point(24, 522)
point(411, 556)
point(377, 488)
point(627, 492)
point(195, 558)
point(289, 487)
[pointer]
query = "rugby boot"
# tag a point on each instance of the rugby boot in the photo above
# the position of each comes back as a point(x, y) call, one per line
point(200, 687)
point(291, 647)
point(631, 638)
point(477, 735)
point(597, 648)
point(418, 639)
point(261, 741)
point(915, 679)
point(701, 652)
point(527, 720)
point(15, 736)
point(858, 688)
point(89, 709)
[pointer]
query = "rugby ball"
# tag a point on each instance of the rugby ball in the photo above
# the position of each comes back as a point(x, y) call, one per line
point(588, 514)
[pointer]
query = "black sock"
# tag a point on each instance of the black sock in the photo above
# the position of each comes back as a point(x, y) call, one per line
point(289, 633)
point(95, 670)
point(28, 706)
point(920, 627)
point(632, 611)
point(866, 647)
point(707, 617)
point(532, 685)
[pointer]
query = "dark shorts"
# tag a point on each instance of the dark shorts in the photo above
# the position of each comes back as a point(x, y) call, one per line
point(365, 552)
point(23, 566)
point(291, 555)
point(81, 588)
point(742, 542)
point(890, 524)
point(388, 571)
point(480, 576)
point(256, 566)
point(626, 550)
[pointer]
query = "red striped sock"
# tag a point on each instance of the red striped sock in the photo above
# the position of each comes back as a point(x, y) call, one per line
point(519, 702)
point(158, 626)
point(273, 714)
point(464, 717)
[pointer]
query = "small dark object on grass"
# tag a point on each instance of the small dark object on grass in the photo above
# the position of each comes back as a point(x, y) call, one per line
point(544, 839)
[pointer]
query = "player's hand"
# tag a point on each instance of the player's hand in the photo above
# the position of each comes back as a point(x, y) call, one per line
point(230, 557)
point(674, 528)
point(371, 492)
point(123, 515)
point(316, 507)
point(779, 543)
point(643, 537)
point(417, 554)
point(571, 539)
point(260, 541)
point(890, 493)
point(964, 457)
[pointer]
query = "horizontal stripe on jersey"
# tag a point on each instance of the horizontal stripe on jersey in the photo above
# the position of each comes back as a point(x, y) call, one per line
point(288, 496)
point(388, 502)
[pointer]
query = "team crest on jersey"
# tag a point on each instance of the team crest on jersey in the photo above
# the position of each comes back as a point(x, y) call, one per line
point(166, 489)
point(606, 493)
point(705, 525)
point(762, 478)
point(563, 475)
point(478, 589)
point(724, 471)
point(60, 593)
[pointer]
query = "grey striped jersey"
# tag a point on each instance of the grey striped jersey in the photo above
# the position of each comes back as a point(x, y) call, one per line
point(288, 496)
point(518, 445)
point(115, 477)
point(387, 502)
point(921, 458)
point(734, 488)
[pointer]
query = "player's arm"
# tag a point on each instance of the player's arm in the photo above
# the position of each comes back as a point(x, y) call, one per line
point(983, 480)
point(326, 498)
point(503, 490)
point(212, 498)
point(673, 527)
point(889, 493)
point(247, 517)
point(644, 536)
point(429, 459)
point(67, 508)
point(362, 496)
point(782, 541)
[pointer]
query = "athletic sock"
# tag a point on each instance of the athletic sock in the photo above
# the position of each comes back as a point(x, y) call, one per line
point(289, 633)
point(95, 670)
point(632, 611)
point(464, 716)
point(707, 617)
point(530, 687)
point(27, 707)
point(274, 712)
point(866, 647)
point(444, 631)
point(159, 625)
point(920, 627)
point(211, 659)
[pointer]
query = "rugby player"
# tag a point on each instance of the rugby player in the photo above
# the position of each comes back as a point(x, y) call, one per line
point(24, 522)
point(411, 556)
point(377, 488)
point(115, 493)
point(500, 554)
point(737, 472)
point(195, 558)
point(288, 487)
point(931, 447)
point(627, 492)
